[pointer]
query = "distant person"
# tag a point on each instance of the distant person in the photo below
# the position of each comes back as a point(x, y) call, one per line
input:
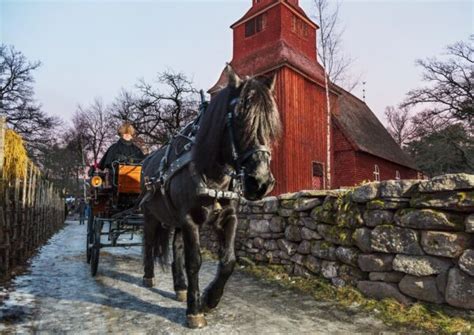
point(82, 211)
point(124, 150)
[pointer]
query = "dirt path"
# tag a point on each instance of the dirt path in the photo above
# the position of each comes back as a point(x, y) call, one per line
point(57, 294)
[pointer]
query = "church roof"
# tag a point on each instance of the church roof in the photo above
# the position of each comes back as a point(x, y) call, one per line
point(366, 132)
point(272, 57)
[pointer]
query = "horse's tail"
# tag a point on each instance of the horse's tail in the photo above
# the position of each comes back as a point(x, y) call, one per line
point(161, 250)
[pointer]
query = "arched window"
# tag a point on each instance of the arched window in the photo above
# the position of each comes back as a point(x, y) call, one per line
point(376, 173)
point(397, 175)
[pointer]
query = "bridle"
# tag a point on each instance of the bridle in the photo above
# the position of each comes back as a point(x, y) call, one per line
point(238, 159)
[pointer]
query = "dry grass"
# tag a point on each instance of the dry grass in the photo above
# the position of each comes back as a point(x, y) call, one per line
point(422, 317)
point(16, 157)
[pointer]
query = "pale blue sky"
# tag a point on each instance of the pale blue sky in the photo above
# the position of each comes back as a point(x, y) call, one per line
point(92, 49)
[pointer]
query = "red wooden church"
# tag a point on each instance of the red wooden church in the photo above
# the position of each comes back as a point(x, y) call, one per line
point(277, 37)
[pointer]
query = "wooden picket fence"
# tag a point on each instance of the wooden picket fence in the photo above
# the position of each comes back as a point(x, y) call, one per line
point(31, 211)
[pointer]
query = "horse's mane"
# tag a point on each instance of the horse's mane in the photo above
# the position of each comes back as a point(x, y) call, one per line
point(257, 117)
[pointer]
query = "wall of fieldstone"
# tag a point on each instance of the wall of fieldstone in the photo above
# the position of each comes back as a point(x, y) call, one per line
point(408, 239)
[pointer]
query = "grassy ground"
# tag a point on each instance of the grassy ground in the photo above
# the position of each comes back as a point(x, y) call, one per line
point(422, 317)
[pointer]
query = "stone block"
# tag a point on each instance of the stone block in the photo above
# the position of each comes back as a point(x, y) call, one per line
point(288, 196)
point(421, 288)
point(285, 212)
point(304, 248)
point(388, 277)
point(350, 217)
point(375, 262)
point(319, 214)
point(293, 233)
point(421, 265)
point(270, 245)
point(388, 204)
point(305, 204)
point(365, 193)
point(312, 264)
point(270, 205)
point(257, 227)
point(324, 250)
point(447, 182)
point(393, 239)
point(445, 244)
point(351, 274)
point(258, 243)
point(287, 247)
point(361, 238)
point(381, 290)
point(429, 219)
point(454, 201)
point(469, 222)
point(335, 234)
point(277, 224)
point(297, 259)
point(397, 188)
point(347, 255)
point(466, 262)
point(288, 204)
point(373, 218)
point(460, 289)
point(309, 223)
point(329, 269)
point(308, 234)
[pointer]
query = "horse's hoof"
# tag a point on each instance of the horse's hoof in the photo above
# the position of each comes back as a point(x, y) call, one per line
point(182, 296)
point(196, 321)
point(148, 282)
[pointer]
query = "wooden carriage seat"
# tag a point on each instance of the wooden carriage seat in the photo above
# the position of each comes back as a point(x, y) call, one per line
point(129, 178)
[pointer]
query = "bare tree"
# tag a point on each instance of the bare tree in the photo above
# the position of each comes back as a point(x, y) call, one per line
point(17, 101)
point(95, 129)
point(450, 90)
point(400, 125)
point(159, 110)
point(330, 52)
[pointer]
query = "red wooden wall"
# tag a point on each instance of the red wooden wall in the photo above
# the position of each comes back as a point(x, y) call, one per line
point(303, 113)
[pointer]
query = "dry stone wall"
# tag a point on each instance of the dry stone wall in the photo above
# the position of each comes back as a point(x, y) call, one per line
point(408, 239)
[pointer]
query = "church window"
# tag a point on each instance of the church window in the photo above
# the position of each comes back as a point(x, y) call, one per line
point(299, 27)
point(376, 173)
point(318, 176)
point(397, 175)
point(255, 25)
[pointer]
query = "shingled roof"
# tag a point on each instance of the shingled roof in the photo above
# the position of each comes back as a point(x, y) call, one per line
point(366, 132)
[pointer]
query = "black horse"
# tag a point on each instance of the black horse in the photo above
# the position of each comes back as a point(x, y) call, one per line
point(232, 144)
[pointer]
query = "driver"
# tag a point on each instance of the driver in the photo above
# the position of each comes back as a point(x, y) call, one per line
point(124, 150)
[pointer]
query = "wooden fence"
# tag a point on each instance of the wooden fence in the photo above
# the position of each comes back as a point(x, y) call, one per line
point(31, 211)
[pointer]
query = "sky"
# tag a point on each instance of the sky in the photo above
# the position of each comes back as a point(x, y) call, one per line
point(92, 49)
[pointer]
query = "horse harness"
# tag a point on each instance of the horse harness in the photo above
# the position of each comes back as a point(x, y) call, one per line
point(167, 170)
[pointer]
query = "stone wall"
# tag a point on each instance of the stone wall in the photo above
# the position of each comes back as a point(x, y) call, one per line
point(408, 239)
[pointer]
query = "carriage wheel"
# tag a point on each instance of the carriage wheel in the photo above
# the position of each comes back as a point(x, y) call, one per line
point(89, 241)
point(95, 249)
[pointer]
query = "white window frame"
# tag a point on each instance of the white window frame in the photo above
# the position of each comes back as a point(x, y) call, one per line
point(376, 173)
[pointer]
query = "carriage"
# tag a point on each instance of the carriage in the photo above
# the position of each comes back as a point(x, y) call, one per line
point(114, 213)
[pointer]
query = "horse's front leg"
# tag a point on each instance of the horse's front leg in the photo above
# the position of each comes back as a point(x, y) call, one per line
point(226, 230)
point(179, 279)
point(192, 255)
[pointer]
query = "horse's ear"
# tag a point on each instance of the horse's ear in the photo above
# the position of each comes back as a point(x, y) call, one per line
point(270, 82)
point(234, 79)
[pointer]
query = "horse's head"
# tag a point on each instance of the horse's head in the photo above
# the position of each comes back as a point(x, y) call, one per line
point(254, 120)
point(239, 127)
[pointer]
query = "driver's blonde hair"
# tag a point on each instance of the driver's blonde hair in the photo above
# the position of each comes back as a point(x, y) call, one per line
point(126, 128)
